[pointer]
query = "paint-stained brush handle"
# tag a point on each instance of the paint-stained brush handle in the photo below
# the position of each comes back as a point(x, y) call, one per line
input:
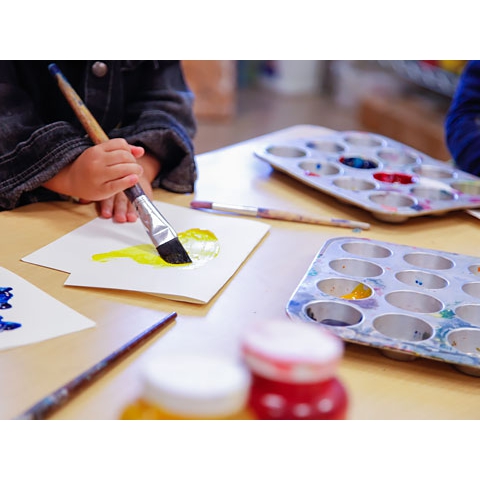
point(57, 399)
point(90, 124)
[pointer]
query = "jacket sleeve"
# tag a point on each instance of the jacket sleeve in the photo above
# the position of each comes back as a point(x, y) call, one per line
point(462, 123)
point(31, 151)
point(159, 116)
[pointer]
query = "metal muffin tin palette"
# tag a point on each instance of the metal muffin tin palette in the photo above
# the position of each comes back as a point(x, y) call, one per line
point(391, 180)
point(409, 302)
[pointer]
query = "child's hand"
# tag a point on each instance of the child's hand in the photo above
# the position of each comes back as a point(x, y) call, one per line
point(100, 172)
point(118, 207)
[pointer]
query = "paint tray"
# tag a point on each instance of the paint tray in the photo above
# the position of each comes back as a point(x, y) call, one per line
point(391, 180)
point(409, 302)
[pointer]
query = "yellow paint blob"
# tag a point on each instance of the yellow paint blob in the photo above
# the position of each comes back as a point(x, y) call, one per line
point(358, 293)
point(201, 246)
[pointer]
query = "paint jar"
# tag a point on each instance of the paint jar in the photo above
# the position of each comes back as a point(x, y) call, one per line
point(293, 367)
point(191, 387)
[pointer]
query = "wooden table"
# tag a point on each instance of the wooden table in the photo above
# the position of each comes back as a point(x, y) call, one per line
point(379, 387)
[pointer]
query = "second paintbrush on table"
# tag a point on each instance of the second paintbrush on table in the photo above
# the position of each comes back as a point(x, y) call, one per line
point(273, 214)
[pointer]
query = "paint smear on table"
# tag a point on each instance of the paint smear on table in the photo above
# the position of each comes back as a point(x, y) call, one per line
point(201, 246)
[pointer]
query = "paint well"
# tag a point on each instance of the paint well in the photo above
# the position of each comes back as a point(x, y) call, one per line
point(394, 177)
point(358, 162)
point(360, 292)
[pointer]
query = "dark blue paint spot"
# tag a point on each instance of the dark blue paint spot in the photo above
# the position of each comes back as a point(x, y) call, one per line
point(417, 207)
point(358, 162)
point(334, 323)
point(5, 296)
point(8, 325)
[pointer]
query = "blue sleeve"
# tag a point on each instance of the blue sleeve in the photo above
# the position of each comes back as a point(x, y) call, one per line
point(462, 123)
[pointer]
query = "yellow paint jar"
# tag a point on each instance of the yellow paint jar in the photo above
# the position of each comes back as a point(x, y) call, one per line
point(191, 387)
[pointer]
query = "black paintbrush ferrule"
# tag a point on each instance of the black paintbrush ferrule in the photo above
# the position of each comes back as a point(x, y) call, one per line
point(161, 233)
point(134, 192)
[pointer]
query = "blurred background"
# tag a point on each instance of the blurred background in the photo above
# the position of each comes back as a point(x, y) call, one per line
point(406, 100)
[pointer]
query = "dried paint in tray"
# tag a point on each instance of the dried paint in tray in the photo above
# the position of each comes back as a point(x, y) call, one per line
point(409, 302)
point(392, 181)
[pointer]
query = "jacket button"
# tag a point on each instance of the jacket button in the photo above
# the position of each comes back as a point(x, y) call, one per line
point(99, 69)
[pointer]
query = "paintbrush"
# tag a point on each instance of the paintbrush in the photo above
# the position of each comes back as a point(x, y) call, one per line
point(161, 233)
point(273, 214)
point(57, 399)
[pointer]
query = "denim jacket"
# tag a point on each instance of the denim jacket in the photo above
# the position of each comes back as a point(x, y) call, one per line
point(146, 102)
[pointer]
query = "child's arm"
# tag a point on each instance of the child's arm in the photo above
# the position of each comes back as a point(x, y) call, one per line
point(159, 116)
point(33, 147)
point(40, 139)
point(462, 124)
point(103, 172)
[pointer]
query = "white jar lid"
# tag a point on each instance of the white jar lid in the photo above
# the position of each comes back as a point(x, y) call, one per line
point(194, 386)
point(287, 351)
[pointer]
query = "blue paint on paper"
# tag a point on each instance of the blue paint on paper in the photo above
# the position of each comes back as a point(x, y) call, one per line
point(5, 296)
point(8, 325)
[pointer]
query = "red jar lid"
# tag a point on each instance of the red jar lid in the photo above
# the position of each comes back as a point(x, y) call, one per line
point(291, 352)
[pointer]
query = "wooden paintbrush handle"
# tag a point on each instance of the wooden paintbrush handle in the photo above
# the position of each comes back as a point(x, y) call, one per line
point(51, 403)
point(88, 121)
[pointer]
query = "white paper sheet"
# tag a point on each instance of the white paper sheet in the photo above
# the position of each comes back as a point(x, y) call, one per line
point(40, 316)
point(474, 212)
point(72, 253)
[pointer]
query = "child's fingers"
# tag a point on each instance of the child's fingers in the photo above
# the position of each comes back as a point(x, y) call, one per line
point(123, 210)
point(118, 185)
point(119, 171)
point(118, 208)
point(115, 144)
point(116, 157)
point(112, 181)
point(136, 151)
point(106, 207)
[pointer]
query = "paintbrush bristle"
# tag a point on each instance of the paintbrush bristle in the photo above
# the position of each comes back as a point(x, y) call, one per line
point(173, 252)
